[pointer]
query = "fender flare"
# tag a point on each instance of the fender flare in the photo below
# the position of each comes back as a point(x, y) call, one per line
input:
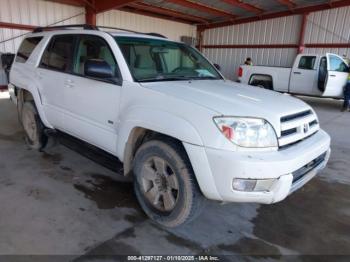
point(156, 120)
point(38, 103)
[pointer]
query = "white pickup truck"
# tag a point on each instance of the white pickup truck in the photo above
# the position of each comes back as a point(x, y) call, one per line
point(181, 130)
point(312, 75)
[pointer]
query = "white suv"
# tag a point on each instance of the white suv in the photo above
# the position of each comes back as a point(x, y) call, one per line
point(179, 127)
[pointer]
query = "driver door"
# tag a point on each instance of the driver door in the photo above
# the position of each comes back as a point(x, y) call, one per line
point(92, 104)
point(304, 77)
point(337, 74)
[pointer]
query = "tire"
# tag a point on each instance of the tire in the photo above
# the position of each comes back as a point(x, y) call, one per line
point(263, 84)
point(165, 184)
point(33, 127)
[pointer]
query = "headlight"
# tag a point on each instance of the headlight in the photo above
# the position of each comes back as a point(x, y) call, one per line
point(247, 132)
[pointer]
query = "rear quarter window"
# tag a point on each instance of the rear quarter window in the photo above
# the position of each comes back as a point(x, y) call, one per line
point(58, 55)
point(26, 48)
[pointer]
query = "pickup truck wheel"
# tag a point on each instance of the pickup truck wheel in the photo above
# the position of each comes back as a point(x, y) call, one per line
point(165, 184)
point(265, 85)
point(33, 127)
point(262, 84)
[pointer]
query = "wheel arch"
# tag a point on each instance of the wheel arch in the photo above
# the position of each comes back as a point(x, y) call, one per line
point(31, 94)
point(263, 77)
point(147, 124)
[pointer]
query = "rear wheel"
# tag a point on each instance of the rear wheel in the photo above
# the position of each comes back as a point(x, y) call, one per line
point(33, 127)
point(263, 84)
point(165, 184)
point(262, 81)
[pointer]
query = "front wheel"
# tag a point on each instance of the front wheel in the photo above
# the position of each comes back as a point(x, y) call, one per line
point(165, 185)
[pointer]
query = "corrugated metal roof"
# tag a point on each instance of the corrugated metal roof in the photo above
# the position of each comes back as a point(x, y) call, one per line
point(178, 8)
point(267, 6)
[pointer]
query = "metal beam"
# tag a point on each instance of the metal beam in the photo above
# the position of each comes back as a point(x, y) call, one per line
point(90, 16)
point(106, 5)
point(287, 3)
point(202, 8)
point(299, 10)
point(17, 26)
point(301, 45)
point(330, 45)
point(168, 12)
point(200, 38)
point(245, 6)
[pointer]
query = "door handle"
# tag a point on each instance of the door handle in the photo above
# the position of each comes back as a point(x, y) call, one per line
point(297, 73)
point(332, 75)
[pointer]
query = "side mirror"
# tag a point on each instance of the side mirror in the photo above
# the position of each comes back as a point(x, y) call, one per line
point(98, 69)
point(218, 67)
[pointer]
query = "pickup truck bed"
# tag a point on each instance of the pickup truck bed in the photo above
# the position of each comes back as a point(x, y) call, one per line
point(268, 77)
point(314, 75)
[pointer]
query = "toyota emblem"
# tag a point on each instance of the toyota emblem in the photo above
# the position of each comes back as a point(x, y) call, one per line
point(306, 128)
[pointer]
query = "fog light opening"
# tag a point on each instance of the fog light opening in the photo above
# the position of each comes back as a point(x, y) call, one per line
point(252, 185)
point(247, 185)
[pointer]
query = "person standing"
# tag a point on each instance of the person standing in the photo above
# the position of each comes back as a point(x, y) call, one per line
point(346, 105)
point(248, 61)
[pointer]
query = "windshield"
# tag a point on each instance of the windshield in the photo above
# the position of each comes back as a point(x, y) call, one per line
point(159, 60)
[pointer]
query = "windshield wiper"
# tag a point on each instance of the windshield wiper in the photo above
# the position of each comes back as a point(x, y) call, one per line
point(159, 79)
point(177, 78)
point(206, 78)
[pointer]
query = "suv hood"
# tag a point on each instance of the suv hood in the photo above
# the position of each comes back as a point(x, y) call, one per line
point(230, 98)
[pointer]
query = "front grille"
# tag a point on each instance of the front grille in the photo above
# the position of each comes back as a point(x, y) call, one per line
point(289, 132)
point(313, 123)
point(296, 127)
point(295, 116)
point(301, 172)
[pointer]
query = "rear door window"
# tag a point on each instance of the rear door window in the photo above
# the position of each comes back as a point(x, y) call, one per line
point(27, 47)
point(59, 53)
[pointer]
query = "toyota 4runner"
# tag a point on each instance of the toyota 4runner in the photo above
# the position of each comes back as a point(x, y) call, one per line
point(182, 130)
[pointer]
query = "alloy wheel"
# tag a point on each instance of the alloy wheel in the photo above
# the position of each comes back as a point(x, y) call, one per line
point(159, 184)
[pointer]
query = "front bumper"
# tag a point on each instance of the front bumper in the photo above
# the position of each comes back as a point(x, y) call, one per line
point(216, 169)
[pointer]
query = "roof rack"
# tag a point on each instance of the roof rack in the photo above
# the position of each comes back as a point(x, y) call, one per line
point(120, 29)
point(131, 31)
point(49, 28)
point(156, 34)
point(91, 27)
